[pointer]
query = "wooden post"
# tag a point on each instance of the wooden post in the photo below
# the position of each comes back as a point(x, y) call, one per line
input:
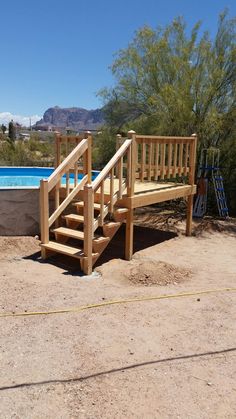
point(129, 235)
point(44, 214)
point(89, 156)
point(192, 160)
point(189, 215)
point(88, 228)
point(57, 150)
point(132, 135)
point(129, 232)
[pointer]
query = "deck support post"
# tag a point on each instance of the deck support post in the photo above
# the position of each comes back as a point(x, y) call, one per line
point(192, 162)
point(189, 215)
point(44, 215)
point(129, 235)
point(129, 232)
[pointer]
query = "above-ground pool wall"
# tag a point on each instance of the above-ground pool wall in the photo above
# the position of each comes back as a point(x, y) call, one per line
point(19, 212)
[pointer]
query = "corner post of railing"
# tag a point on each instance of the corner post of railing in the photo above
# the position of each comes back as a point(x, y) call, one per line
point(192, 159)
point(88, 136)
point(132, 136)
point(192, 162)
point(57, 149)
point(88, 228)
point(44, 211)
point(131, 168)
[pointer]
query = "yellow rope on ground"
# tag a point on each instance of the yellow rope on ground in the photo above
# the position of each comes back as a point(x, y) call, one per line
point(108, 303)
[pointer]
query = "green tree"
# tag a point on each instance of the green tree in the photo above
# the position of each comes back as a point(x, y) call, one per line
point(171, 83)
point(12, 131)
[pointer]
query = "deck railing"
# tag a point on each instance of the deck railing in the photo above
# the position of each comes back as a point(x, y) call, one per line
point(159, 158)
point(68, 169)
point(64, 144)
point(165, 158)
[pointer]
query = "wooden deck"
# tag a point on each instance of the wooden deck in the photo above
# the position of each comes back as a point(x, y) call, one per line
point(144, 170)
point(147, 193)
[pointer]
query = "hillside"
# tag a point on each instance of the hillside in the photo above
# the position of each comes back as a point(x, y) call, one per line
point(74, 118)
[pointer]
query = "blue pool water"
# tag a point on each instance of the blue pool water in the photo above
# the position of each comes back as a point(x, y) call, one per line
point(28, 176)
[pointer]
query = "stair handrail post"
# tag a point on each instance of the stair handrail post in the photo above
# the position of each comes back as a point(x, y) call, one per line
point(44, 211)
point(132, 136)
point(88, 136)
point(88, 227)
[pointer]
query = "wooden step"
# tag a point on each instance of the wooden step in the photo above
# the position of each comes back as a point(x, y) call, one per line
point(80, 204)
point(110, 228)
point(68, 232)
point(56, 247)
point(100, 243)
point(73, 220)
point(74, 217)
point(120, 214)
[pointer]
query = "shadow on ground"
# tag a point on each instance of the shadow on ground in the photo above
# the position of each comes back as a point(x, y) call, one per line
point(144, 237)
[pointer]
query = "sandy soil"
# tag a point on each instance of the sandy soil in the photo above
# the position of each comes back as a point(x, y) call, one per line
point(170, 358)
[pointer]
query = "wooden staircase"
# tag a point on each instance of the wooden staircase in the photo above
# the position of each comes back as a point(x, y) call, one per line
point(69, 239)
point(85, 232)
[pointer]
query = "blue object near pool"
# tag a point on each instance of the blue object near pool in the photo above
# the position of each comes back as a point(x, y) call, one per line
point(20, 177)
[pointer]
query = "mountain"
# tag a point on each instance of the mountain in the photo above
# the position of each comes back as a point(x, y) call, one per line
point(73, 118)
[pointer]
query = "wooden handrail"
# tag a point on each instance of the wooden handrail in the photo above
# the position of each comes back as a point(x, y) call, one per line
point(67, 163)
point(110, 165)
point(83, 149)
point(165, 138)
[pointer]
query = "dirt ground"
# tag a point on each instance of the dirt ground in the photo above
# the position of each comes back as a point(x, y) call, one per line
point(168, 358)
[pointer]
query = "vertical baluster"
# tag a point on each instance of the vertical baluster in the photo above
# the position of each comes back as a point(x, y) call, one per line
point(169, 160)
point(180, 169)
point(150, 160)
point(163, 160)
point(67, 183)
point(112, 190)
point(156, 161)
point(57, 200)
point(143, 159)
point(128, 176)
point(186, 159)
point(175, 159)
point(120, 165)
point(76, 174)
point(101, 217)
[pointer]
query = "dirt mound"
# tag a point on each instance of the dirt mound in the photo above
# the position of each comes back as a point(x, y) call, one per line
point(18, 246)
point(156, 273)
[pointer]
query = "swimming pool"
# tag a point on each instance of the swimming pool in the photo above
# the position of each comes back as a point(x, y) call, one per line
point(19, 199)
point(28, 177)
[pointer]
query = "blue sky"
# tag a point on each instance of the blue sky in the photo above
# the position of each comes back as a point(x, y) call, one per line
point(59, 52)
